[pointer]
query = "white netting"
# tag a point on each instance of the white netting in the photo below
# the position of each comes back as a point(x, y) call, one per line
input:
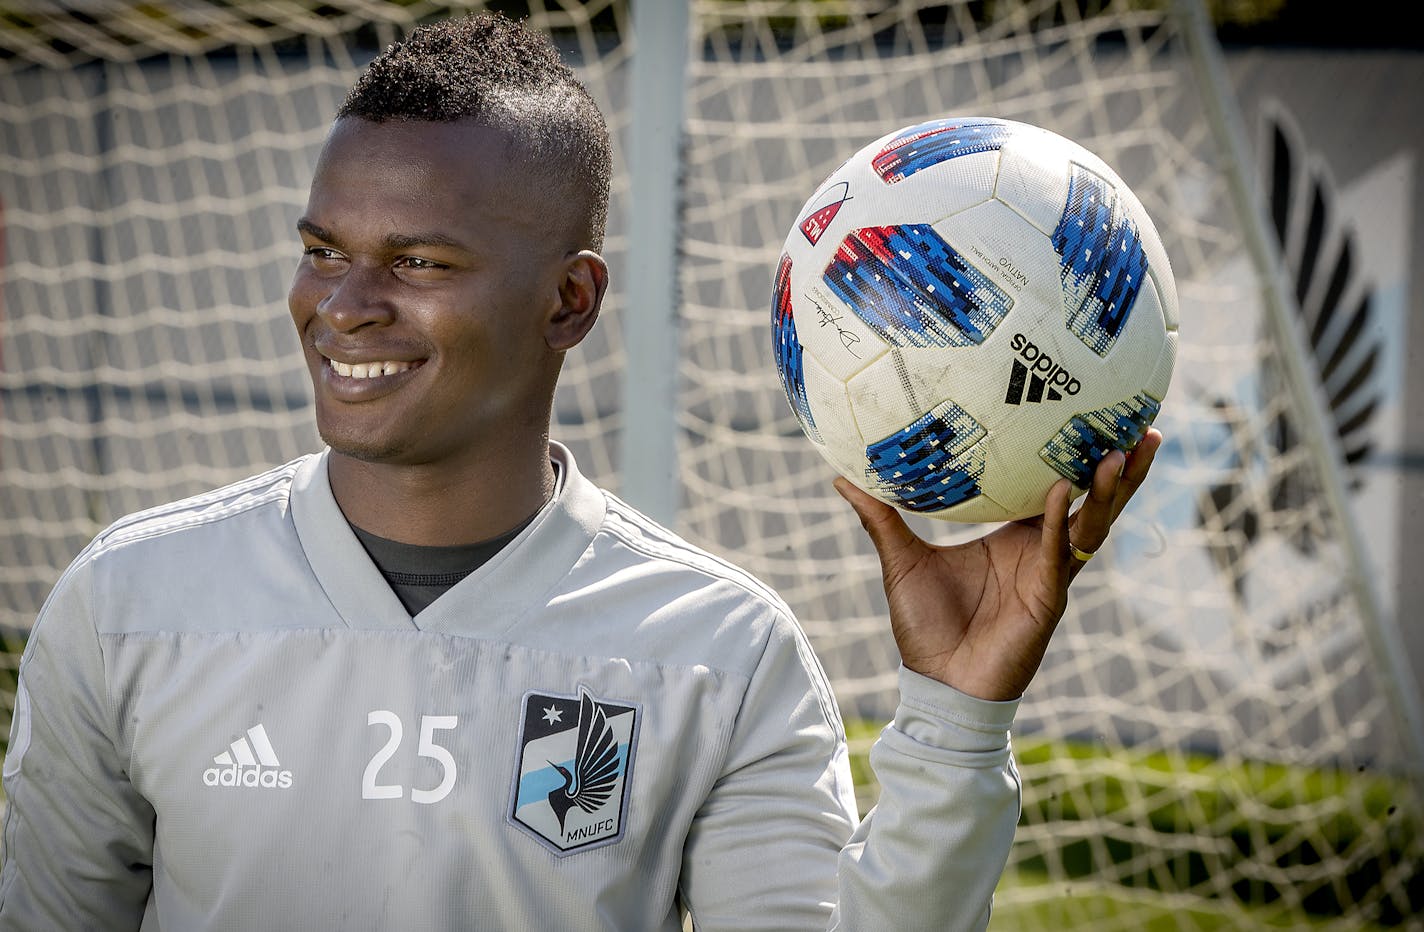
point(149, 195)
point(1210, 741)
point(1200, 744)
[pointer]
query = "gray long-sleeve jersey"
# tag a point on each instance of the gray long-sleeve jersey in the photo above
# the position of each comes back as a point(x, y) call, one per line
point(226, 720)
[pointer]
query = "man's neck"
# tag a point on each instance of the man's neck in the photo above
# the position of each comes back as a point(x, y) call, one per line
point(441, 505)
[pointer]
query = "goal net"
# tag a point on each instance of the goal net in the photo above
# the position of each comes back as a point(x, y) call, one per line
point(1216, 738)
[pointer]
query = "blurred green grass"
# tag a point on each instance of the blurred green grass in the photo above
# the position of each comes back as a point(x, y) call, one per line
point(1028, 900)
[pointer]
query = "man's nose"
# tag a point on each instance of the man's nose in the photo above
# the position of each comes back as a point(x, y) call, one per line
point(361, 297)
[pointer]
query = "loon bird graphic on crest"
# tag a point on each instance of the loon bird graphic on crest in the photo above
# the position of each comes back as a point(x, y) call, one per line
point(574, 769)
point(596, 767)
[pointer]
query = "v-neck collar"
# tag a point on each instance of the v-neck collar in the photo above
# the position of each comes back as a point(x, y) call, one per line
point(488, 601)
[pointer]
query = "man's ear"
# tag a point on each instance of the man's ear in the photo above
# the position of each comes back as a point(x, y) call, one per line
point(581, 295)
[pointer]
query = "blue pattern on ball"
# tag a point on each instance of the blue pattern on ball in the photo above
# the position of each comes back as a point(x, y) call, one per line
point(1103, 262)
point(928, 144)
point(1074, 453)
point(786, 349)
point(932, 464)
point(914, 289)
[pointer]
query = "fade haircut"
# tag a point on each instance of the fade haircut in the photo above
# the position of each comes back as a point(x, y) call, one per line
point(491, 70)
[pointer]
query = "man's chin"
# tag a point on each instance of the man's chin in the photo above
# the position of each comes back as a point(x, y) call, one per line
point(366, 449)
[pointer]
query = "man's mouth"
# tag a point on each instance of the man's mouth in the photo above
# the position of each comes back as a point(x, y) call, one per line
point(369, 370)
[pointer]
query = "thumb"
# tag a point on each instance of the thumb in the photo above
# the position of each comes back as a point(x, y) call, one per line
point(886, 527)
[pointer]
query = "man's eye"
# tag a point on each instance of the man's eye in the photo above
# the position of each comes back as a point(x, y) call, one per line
point(415, 262)
point(321, 253)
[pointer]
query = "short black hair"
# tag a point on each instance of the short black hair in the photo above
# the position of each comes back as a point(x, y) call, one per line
point(492, 70)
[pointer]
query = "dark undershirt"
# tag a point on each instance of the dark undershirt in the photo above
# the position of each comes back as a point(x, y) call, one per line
point(420, 575)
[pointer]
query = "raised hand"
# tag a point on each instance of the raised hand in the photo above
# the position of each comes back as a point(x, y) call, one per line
point(978, 616)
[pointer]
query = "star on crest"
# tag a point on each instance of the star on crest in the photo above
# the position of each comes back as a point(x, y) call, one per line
point(552, 715)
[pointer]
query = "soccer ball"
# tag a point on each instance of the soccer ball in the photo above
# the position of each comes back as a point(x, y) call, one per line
point(969, 309)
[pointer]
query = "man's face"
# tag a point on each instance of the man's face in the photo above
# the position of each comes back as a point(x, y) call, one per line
point(429, 273)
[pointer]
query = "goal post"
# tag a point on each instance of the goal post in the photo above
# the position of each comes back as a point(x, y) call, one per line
point(649, 437)
point(1219, 736)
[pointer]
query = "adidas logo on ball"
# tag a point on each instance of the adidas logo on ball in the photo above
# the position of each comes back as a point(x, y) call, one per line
point(1035, 377)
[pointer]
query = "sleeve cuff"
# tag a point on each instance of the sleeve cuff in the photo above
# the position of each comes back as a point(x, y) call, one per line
point(941, 716)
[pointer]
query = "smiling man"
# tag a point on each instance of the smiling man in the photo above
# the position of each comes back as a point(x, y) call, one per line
point(432, 677)
point(434, 308)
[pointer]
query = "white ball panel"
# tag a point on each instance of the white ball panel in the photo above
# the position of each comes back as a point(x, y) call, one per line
point(938, 191)
point(830, 406)
point(830, 331)
point(1147, 323)
point(957, 374)
point(1021, 489)
point(878, 399)
point(1033, 176)
point(1161, 377)
point(1138, 343)
point(974, 377)
point(999, 243)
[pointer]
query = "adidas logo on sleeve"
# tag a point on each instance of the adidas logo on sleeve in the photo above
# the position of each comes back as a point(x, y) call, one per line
point(249, 761)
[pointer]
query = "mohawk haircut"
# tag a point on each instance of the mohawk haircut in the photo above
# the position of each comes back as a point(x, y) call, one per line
point(493, 71)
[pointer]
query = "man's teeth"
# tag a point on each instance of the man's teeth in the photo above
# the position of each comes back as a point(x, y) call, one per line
point(368, 370)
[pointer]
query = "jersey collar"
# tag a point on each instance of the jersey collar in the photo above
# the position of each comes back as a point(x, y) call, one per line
point(490, 600)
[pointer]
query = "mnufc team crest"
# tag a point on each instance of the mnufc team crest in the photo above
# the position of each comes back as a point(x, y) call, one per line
point(575, 764)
